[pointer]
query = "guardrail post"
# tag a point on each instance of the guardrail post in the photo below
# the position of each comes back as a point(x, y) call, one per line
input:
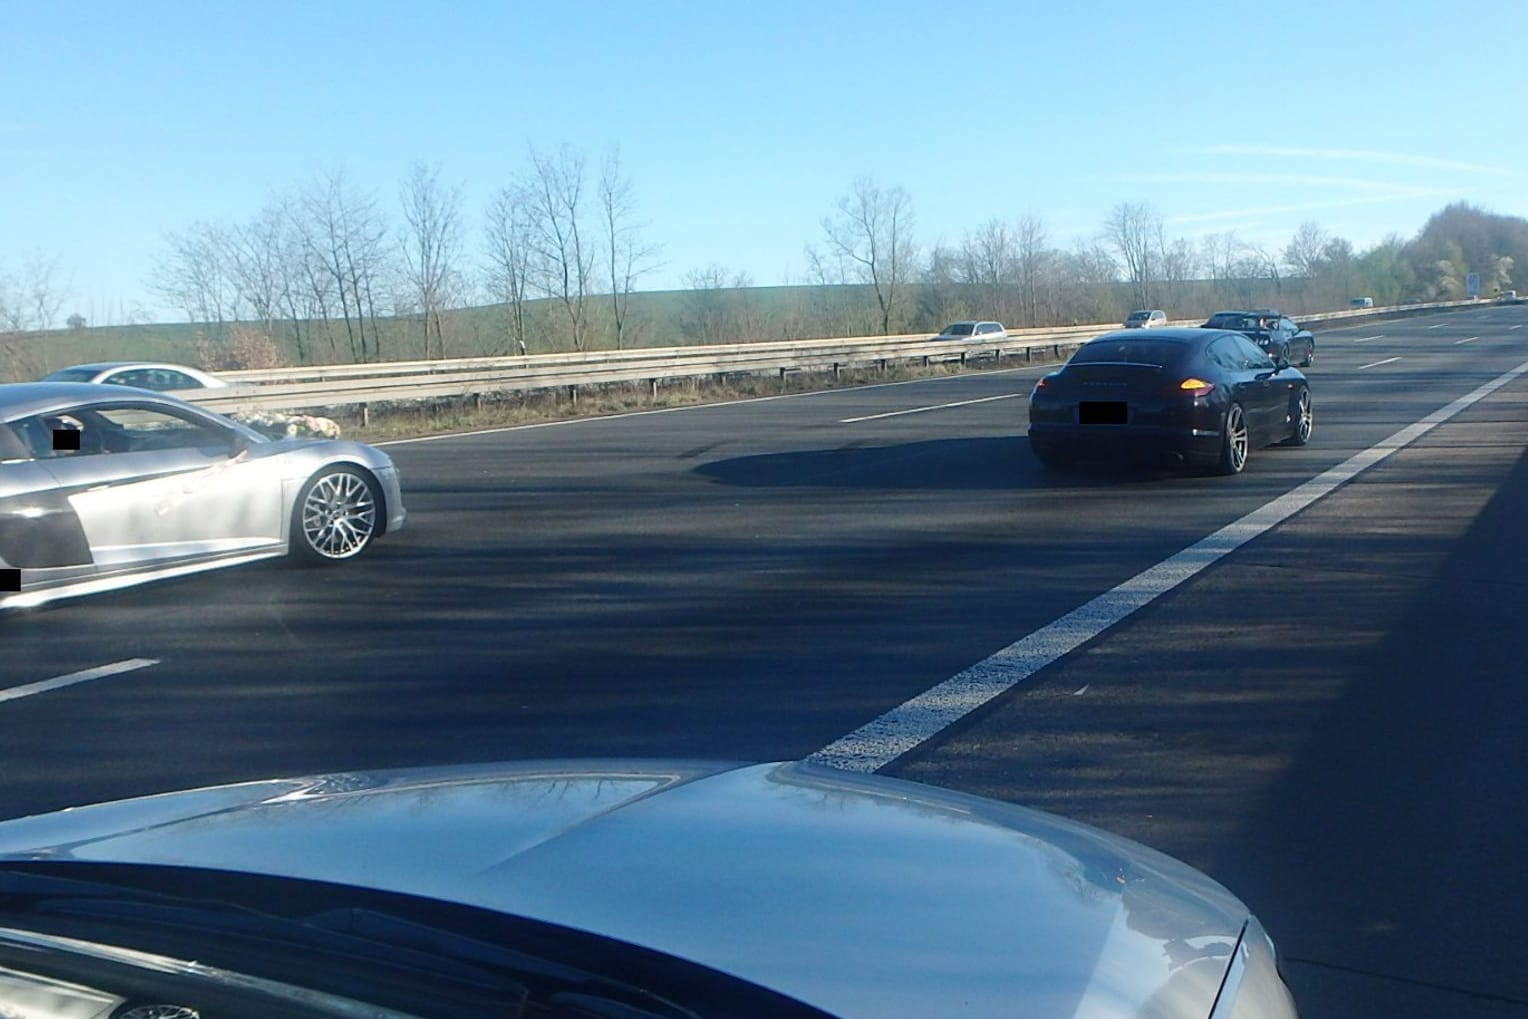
point(573, 395)
point(365, 415)
point(652, 388)
point(835, 371)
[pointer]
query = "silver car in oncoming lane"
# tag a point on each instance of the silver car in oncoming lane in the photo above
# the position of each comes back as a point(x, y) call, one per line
point(102, 487)
point(857, 895)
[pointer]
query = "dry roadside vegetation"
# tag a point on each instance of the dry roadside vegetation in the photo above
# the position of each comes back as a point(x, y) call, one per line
point(506, 410)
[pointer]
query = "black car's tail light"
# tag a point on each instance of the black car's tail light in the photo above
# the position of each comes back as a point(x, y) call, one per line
point(1198, 387)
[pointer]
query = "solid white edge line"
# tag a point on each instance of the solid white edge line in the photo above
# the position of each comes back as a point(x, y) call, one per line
point(879, 742)
point(1376, 364)
point(925, 410)
point(83, 676)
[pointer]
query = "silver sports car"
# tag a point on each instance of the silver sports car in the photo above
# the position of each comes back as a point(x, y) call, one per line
point(102, 487)
point(635, 889)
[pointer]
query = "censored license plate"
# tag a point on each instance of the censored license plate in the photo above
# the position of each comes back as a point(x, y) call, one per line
point(1101, 412)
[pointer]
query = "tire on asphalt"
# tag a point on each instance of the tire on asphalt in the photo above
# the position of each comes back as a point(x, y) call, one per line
point(337, 514)
point(1301, 419)
point(1235, 441)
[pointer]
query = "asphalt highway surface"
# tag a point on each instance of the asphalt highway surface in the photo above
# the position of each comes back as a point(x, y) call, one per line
point(1329, 714)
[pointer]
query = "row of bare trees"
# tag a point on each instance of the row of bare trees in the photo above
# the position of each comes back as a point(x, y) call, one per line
point(1007, 269)
point(328, 271)
point(550, 238)
point(326, 268)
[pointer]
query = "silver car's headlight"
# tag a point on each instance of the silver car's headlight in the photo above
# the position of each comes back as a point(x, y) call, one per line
point(1253, 988)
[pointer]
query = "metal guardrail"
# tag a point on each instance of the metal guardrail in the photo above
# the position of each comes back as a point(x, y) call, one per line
point(312, 387)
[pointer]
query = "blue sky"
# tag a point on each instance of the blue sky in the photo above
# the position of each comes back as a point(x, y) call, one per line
point(740, 124)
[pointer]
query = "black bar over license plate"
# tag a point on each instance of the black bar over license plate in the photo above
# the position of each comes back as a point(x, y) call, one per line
point(1101, 412)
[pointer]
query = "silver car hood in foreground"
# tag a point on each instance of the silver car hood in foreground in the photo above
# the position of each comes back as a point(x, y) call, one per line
point(862, 895)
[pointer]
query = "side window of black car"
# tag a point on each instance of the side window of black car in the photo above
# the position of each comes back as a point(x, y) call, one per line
point(1224, 355)
point(1256, 360)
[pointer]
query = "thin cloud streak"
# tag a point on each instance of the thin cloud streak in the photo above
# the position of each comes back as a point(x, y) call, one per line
point(1388, 187)
point(1269, 210)
point(1354, 155)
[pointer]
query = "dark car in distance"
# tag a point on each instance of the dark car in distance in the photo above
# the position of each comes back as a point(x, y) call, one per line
point(1197, 397)
point(1270, 330)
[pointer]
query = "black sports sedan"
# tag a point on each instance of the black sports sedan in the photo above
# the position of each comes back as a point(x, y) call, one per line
point(1199, 397)
point(1272, 331)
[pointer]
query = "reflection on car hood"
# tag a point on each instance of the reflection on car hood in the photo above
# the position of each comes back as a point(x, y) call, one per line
point(862, 895)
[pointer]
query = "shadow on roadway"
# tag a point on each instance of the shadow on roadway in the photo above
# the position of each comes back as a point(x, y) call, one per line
point(968, 464)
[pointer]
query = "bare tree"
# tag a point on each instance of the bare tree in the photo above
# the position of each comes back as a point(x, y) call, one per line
point(562, 257)
point(1179, 264)
point(257, 265)
point(1134, 232)
point(871, 231)
point(629, 258)
point(716, 306)
point(196, 274)
point(344, 233)
point(1032, 258)
point(33, 297)
point(1303, 253)
point(989, 265)
point(1087, 278)
point(1221, 253)
point(431, 242)
point(941, 297)
point(508, 237)
point(836, 298)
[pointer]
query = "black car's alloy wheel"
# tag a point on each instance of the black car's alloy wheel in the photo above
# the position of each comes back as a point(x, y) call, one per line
point(1233, 442)
point(1302, 421)
point(336, 515)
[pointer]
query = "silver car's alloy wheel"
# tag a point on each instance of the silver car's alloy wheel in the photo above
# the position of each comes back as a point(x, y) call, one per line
point(1233, 454)
point(336, 515)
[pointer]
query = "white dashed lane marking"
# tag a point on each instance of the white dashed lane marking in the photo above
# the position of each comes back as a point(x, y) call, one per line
point(924, 410)
point(84, 676)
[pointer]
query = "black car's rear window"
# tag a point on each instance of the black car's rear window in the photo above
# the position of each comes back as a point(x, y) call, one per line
point(960, 329)
point(1158, 352)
